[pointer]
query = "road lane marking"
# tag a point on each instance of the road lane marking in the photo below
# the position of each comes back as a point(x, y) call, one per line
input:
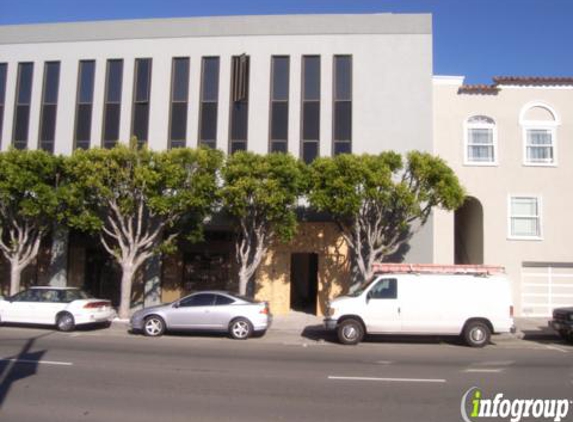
point(385, 362)
point(421, 380)
point(41, 362)
point(491, 370)
point(559, 349)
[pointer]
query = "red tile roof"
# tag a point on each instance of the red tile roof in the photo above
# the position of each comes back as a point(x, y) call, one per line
point(499, 81)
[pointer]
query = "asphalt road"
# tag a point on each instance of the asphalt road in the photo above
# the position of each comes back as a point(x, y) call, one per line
point(106, 375)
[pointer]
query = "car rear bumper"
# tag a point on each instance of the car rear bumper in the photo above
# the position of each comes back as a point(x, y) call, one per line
point(94, 317)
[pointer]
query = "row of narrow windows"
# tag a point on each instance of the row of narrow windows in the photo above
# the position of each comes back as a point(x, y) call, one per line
point(179, 98)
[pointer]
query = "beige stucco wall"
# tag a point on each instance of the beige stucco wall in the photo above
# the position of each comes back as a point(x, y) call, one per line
point(273, 278)
point(493, 185)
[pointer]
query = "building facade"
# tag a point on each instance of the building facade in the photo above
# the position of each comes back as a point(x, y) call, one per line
point(510, 143)
point(312, 85)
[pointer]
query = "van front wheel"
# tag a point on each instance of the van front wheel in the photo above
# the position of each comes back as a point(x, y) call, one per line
point(476, 334)
point(350, 332)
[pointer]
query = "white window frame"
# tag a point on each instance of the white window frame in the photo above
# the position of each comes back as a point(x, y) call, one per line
point(539, 217)
point(480, 125)
point(548, 125)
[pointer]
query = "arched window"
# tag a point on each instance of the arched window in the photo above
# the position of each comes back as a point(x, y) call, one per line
point(480, 141)
point(539, 125)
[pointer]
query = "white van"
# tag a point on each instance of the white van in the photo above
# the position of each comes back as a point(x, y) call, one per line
point(452, 301)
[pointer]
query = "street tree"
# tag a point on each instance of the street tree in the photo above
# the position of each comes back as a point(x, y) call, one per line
point(28, 206)
point(133, 199)
point(260, 192)
point(380, 201)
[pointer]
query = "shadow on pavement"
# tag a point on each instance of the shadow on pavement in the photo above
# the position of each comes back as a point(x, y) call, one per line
point(318, 333)
point(18, 367)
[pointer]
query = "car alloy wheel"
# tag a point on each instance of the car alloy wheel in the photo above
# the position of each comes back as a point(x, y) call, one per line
point(65, 322)
point(154, 326)
point(240, 329)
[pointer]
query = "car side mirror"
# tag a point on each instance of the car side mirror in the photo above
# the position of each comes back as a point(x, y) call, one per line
point(368, 296)
point(176, 305)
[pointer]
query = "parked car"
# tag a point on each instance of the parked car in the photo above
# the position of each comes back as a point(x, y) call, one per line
point(471, 305)
point(64, 307)
point(562, 322)
point(217, 311)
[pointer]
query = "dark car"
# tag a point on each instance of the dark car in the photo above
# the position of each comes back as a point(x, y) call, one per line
point(562, 322)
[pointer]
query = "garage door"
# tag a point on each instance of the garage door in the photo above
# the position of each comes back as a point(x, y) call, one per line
point(545, 286)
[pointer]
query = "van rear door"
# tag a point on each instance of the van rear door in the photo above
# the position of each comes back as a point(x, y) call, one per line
point(382, 310)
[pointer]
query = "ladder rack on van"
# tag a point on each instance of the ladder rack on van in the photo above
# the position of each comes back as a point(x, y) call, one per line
point(438, 269)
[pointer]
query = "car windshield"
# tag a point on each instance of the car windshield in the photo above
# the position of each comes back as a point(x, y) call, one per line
point(358, 288)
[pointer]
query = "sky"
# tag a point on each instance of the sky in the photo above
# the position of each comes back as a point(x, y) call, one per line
point(477, 39)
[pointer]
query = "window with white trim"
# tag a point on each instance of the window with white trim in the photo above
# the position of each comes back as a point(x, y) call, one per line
point(539, 125)
point(481, 141)
point(539, 146)
point(524, 217)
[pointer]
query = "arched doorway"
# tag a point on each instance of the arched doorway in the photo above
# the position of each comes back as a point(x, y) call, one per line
point(468, 232)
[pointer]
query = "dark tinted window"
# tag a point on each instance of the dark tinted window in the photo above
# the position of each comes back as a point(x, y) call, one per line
point(49, 106)
point(209, 101)
point(202, 299)
point(309, 151)
point(25, 73)
point(343, 78)
point(342, 120)
point(22, 107)
point(279, 104)
point(3, 71)
point(140, 122)
point(386, 288)
point(279, 121)
point(112, 106)
point(209, 122)
point(86, 82)
point(210, 90)
point(114, 80)
point(223, 300)
point(179, 93)
point(84, 105)
point(239, 116)
point(180, 88)
point(311, 118)
point(280, 78)
point(311, 78)
point(342, 107)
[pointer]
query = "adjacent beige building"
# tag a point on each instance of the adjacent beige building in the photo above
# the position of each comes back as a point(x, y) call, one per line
point(511, 144)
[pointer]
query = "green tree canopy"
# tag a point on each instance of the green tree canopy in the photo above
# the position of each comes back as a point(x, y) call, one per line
point(378, 201)
point(133, 199)
point(28, 206)
point(261, 193)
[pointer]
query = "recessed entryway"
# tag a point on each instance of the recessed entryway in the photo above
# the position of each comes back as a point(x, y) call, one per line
point(303, 282)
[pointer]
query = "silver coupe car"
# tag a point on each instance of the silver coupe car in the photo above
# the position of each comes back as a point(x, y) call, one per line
point(210, 311)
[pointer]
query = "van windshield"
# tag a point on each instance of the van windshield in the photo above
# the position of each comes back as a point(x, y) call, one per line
point(358, 288)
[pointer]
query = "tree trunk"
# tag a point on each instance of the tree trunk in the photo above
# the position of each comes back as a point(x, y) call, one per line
point(127, 273)
point(243, 279)
point(15, 275)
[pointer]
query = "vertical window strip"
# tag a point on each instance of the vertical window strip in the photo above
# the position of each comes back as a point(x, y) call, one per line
point(22, 105)
point(209, 102)
point(84, 104)
point(279, 107)
point(141, 97)
point(112, 105)
point(49, 106)
point(179, 102)
point(3, 74)
point(342, 107)
point(310, 127)
point(239, 114)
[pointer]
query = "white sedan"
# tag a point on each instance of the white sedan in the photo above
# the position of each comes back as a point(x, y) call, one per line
point(64, 307)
